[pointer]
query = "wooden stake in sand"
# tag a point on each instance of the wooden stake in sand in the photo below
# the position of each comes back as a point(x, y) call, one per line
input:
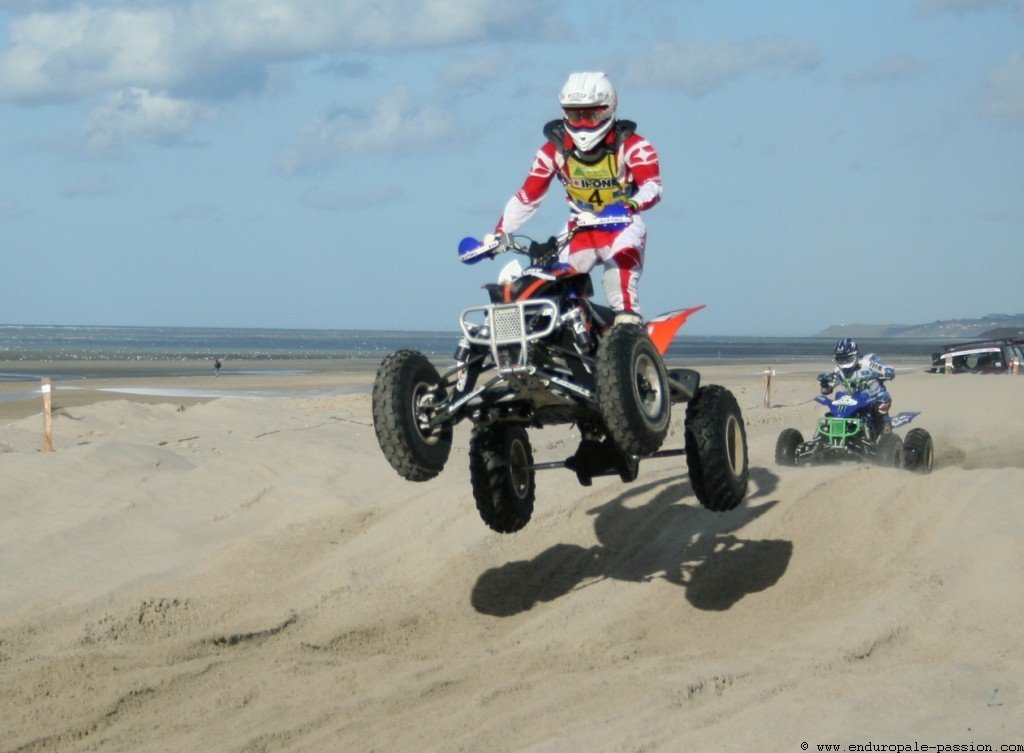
point(768, 374)
point(47, 415)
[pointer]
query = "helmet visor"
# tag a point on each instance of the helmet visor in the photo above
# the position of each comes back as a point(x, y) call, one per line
point(846, 360)
point(585, 117)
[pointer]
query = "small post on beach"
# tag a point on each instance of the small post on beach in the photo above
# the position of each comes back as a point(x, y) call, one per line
point(46, 389)
point(768, 374)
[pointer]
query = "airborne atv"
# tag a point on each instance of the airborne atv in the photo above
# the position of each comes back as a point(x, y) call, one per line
point(543, 353)
point(849, 429)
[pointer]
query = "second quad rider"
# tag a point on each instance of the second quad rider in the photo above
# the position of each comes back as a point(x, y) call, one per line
point(600, 161)
point(861, 374)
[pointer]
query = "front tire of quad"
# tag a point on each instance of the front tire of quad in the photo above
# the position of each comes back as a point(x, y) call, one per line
point(632, 390)
point(918, 451)
point(786, 446)
point(716, 449)
point(504, 486)
point(889, 452)
point(405, 385)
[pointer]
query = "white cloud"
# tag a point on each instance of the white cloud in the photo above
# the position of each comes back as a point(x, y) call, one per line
point(136, 115)
point(1004, 96)
point(700, 68)
point(395, 125)
point(221, 47)
point(69, 55)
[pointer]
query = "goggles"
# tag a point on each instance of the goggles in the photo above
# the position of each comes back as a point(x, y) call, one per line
point(585, 117)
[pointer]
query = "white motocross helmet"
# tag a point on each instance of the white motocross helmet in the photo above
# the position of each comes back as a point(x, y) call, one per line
point(588, 108)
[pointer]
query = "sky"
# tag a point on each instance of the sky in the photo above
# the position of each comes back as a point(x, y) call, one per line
point(314, 163)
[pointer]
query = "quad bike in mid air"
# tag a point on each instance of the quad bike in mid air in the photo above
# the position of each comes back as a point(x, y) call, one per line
point(541, 353)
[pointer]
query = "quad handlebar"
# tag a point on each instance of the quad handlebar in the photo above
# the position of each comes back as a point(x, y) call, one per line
point(471, 250)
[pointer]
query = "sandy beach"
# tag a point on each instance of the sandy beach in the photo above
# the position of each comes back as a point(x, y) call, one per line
point(198, 572)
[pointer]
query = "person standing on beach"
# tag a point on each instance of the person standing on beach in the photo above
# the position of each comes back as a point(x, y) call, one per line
point(600, 161)
point(216, 367)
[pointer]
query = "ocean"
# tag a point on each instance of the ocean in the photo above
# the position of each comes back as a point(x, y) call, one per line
point(177, 349)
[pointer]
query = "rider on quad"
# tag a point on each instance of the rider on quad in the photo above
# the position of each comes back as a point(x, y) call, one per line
point(601, 161)
point(858, 423)
point(542, 353)
point(861, 374)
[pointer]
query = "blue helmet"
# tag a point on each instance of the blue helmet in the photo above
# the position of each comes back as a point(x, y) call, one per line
point(846, 354)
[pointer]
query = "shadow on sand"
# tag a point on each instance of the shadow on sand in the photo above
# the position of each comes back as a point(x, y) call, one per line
point(681, 543)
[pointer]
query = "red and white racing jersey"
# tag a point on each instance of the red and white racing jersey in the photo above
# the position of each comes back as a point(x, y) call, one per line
point(630, 171)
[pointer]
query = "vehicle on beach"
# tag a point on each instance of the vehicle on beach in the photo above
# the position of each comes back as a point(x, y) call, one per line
point(999, 356)
point(543, 353)
point(850, 430)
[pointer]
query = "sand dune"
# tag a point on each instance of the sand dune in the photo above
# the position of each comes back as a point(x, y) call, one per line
point(250, 575)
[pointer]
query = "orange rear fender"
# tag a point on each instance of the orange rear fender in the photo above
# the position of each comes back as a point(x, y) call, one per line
point(662, 329)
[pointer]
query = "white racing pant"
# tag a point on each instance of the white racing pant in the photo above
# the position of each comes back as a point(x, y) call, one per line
point(621, 252)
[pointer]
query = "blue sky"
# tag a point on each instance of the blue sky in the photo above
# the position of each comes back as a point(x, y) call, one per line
point(314, 163)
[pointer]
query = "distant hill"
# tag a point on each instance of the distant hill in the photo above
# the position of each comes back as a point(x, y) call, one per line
point(993, 325)
point(1002, 332)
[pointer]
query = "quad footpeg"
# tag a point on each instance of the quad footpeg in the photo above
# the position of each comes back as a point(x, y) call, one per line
point(683, 384)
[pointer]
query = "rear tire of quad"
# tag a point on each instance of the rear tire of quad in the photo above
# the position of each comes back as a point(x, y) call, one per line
point(889, 452)
point(503, 484)
point(918, 451)
point(403, 380)
point(716, 448)
point(632, 390)
point(786, 446)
